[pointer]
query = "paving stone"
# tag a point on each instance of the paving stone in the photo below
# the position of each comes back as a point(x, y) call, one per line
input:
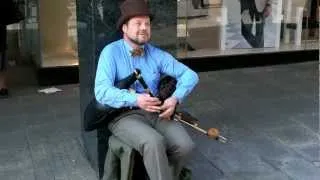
point(264, 147)
point(237, 161)
point(68, 160)
point(199, 107)
point(15, 158)
point(311, 120)
point(66, 111)
point(311, 152)
point(264, 122)
point(259, 175)
point(58, 155)
point(268, 113)
point(202, 168)
point(12, 123)
point(294, 136)
point(10, 102)
point(300, 169)
point(73, 102)
point(45, 133)
point(16, 162)
point(78, 165)
point(316, 163)
point(23, 109)
point(18, 174)
point(13, 140)
point(38, 119)
point(230, 157)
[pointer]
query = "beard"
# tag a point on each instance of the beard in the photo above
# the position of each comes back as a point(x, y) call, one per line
point(137, 41)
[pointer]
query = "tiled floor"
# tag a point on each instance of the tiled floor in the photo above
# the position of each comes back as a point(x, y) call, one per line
point(270, 115)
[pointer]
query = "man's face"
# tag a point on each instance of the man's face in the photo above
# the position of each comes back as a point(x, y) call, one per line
point(137, 30)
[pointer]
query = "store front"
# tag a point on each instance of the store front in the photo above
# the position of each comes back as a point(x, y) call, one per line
point(59, 35)
point(225, 27)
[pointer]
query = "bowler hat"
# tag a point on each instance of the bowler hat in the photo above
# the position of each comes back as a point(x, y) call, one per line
point(132, 8)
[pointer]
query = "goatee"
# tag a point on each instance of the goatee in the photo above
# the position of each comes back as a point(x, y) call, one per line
point(137, 42)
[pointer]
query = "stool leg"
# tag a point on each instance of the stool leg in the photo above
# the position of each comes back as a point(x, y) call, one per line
point(139, 170)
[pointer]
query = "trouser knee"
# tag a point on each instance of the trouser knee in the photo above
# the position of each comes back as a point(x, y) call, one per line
point(185, 149)
point(152, 143)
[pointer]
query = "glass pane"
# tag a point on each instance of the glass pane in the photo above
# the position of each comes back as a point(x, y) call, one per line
point(164, 24)
point(224, 27)
point(30, 31)
point(182, 24)
point(310, 23)
point(300, 25)
point(58, 33)
point(252, 25)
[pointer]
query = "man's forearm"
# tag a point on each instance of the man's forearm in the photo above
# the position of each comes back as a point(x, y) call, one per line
point(115, 97)
point(185, 85)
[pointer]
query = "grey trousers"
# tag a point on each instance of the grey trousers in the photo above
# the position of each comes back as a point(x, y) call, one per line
point(3, 61)
point(162, 143)
point(255, 40)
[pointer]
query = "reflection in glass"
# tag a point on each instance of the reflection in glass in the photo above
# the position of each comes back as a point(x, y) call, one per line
point(224, 27)
point(30, 31)
point(58, 33)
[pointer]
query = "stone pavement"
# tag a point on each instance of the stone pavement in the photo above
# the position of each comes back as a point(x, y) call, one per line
point(270, 115)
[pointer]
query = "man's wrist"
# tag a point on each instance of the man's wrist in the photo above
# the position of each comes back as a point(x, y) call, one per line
point(176, 99)
point(133, 100)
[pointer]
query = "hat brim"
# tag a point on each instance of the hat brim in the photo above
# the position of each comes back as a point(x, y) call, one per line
point(124, 19)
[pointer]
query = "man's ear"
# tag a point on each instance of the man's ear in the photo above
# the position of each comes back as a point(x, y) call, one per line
point(124, 28)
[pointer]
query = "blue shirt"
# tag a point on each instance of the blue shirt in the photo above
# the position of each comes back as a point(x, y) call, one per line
point(116, 63)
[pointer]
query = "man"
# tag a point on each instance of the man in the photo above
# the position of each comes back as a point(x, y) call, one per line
point(3, 61)
point(9, 14)
point(254, 11)
point(148, 128)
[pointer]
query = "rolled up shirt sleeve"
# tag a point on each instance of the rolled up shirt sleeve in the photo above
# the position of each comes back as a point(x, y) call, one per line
point(187, 79)
point(105, 91)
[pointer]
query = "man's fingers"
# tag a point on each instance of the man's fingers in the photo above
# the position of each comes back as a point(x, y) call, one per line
point(153, 100)
point(157, 108)
point(153, 108)
point(165, 113)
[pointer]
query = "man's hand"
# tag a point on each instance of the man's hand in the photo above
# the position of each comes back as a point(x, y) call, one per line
point(148, 103)
point(168, 108)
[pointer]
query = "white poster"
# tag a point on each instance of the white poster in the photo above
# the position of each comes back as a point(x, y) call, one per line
point(252, 23)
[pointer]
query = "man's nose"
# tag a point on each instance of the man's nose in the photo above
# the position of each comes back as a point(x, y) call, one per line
point(143, 27)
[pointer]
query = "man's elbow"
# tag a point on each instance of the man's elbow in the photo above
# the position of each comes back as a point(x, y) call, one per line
point(98, 96)
point(195, 78)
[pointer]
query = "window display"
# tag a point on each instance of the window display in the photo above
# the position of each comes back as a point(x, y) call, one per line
point(224, 27)
point(57, 20)
point(251, 24)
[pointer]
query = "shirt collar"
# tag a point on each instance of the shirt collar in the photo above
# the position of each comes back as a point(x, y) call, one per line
point(129, 48)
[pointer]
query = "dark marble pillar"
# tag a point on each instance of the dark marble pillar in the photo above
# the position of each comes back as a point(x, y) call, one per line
point(96, 22)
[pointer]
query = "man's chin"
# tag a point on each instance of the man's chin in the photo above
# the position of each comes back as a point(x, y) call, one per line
point(142, 42)
point(139, 41)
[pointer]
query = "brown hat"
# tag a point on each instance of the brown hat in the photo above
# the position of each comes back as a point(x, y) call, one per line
point(132, 8)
